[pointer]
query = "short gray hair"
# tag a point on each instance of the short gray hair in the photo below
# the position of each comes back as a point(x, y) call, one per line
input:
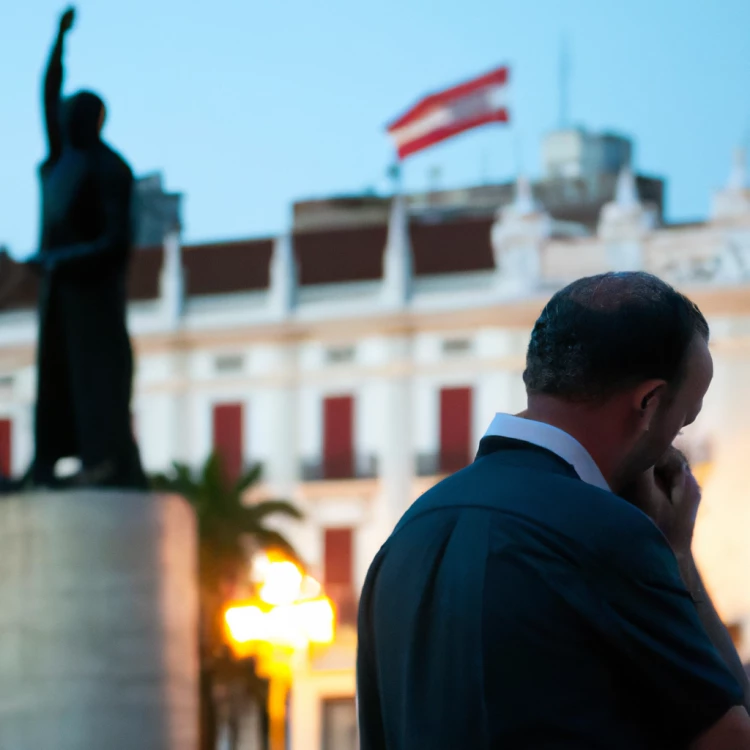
point(608, 332)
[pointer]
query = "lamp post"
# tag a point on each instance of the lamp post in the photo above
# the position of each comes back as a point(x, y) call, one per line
point(287, 614)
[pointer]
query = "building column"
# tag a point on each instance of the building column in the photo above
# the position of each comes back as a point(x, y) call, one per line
point(397, 451)
point(180, 406)
point(172, 282)
point(283, 273)
point(397, 257)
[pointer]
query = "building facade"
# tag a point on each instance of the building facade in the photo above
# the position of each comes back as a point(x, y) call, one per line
point(362, 361)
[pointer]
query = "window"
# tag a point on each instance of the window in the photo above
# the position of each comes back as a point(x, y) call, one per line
point(6, 440)
point(338, 572)
point(338, 437)
point(456, 347)
point(228, 363)
point(340, 724)
point(228, 437)
point(455, 429)
point(338, 355)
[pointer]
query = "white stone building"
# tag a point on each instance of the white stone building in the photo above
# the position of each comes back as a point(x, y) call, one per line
point(359, 363)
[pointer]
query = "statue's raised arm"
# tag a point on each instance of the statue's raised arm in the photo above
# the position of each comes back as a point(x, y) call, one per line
point(53, 79)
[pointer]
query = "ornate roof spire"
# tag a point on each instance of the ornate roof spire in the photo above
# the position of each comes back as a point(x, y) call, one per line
point(733, 201)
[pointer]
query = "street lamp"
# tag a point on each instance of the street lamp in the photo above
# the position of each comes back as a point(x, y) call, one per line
point(288, 614)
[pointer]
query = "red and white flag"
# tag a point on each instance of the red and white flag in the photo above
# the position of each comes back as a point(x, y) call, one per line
point(447, 113)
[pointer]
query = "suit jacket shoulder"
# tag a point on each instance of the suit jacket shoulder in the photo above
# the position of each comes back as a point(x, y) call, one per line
point(546, 492)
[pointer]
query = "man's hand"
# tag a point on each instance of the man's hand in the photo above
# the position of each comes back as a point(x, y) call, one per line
point(67, 19)
point(670, 495)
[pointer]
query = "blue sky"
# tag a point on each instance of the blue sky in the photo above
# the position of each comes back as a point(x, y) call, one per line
point(247, 106)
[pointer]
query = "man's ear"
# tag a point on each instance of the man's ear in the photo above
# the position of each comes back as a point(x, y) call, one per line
point(647, 398)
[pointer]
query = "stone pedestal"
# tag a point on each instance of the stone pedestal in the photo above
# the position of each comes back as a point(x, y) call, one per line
point(98, 622)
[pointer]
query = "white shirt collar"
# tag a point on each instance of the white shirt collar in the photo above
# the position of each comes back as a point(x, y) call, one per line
point(552, 439)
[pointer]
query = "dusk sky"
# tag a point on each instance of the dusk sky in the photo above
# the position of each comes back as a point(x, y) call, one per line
point(247, 106)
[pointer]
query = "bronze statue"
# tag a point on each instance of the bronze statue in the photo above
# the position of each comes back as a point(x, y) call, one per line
point(85, 362)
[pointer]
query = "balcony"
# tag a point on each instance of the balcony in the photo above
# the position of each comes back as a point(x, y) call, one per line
point(441, 462)
point(347, 467)
point(345, 601)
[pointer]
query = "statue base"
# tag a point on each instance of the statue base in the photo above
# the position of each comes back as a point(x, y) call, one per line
point(98, 621)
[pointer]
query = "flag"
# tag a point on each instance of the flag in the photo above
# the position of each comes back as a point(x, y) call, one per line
point(447, 113)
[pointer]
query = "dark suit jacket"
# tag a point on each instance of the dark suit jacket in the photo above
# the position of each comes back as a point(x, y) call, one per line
point(516, 607)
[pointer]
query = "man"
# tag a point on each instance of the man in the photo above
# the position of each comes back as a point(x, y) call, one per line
point(85, 363)
point(522, 602)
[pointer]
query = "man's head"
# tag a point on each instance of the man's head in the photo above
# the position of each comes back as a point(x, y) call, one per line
point(629, 356)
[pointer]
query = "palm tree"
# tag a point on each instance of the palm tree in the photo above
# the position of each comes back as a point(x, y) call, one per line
point(228, 532)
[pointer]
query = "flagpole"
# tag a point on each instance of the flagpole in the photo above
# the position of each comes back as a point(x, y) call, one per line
point(515, 144)
point(564, 73)
point(564, 83)
point(519, 154)
point(394, 173)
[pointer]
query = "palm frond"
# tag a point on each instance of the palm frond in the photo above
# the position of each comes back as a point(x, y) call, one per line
point(257, 512)
point(212, 474)
point(179, 481)
point(269, 539)
point(249, 478)
point(223, 521)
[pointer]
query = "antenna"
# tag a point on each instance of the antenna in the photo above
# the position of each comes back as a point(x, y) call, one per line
point(518, 154)
point(564, 81)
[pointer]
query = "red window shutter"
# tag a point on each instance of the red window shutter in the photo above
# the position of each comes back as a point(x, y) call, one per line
point(455, 428)
point(338, 557)
point(338, 573)
point(338, 437)
point(228, 437)
point(6, 438)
